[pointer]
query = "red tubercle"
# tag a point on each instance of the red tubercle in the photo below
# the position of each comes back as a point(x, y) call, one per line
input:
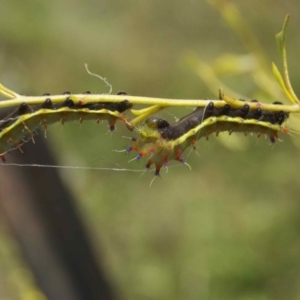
point(141, 154)
point(179, 155)
point(194, 143)
point(123, 119)
point(2, 158)
point(165, 160)
point(112, 125)
point(285, 130)
point(149, 164)
point(131, 148)
point(152, 151)
point(157, 169)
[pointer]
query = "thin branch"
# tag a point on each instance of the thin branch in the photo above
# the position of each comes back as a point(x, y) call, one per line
point(162, 102)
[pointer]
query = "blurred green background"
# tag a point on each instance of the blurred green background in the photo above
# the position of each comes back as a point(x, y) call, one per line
point(228, 229)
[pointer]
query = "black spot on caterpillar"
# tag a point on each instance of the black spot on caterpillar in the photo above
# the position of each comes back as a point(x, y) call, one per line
point(120, 106)
point(68, 103)
point(163, 142)
point(21, 123)
point(48, 104)
point(122, 93)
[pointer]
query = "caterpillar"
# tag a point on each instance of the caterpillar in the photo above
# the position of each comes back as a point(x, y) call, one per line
point(23, 121)
point(163, 142)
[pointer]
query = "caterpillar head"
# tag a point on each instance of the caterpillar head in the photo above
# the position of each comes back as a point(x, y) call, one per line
point(150, 130)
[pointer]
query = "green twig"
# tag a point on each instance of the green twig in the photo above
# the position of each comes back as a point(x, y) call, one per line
point(281, 39)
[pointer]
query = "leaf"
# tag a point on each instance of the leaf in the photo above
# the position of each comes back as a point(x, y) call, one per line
point(279, 79)
point(281, 39)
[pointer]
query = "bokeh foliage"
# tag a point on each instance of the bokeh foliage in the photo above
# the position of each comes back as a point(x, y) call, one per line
point(228, 229)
